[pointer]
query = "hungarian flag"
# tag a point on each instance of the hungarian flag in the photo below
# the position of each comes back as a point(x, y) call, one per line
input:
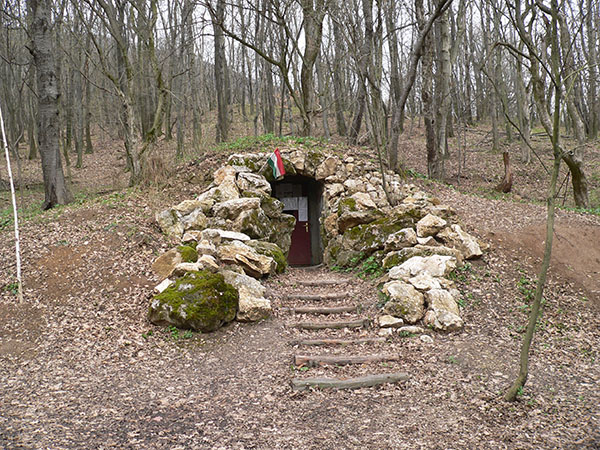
point(276, 163)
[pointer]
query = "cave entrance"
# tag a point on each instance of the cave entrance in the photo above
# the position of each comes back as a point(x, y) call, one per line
point(302, 197)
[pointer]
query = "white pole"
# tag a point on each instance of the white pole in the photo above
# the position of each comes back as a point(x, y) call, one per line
point(14, 203)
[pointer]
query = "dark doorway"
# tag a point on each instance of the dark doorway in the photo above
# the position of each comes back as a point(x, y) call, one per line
point(301, 197)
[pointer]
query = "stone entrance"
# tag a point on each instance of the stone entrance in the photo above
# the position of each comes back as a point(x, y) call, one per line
point(302, 197)
point(329, 209)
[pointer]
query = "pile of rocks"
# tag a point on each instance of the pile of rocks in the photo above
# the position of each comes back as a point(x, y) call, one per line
point(235, 233)
point(230, 235)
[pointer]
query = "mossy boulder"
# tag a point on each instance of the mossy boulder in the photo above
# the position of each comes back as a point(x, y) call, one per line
point(254, 223)
point(351, 214)
point(252, 161)
point(200, 301)
point(313, 159)
point(272, 250)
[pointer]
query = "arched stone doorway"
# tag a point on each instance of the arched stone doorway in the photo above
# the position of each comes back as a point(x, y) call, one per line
point(302, 198)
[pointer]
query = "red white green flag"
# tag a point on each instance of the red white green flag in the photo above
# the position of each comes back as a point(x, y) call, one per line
point(276, 163)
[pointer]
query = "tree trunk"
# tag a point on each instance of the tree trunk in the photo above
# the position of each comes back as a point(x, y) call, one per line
point(268, 103)
point(313, 30)
point(221, 85)
point(56, 190)
point(338, 82)
point(395, 75)
point(519, 382)
point(505, 185)
point(442, 102)
point(592, 39)
point(523, 111)
point(89, 148)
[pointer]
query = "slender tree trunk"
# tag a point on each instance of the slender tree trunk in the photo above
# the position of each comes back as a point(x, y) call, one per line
point(268, 103)
point(323, 98)
point(442, 102)
point(428, 100)
point(338, 83)
point(56, 190)
point(523, 111)
point(87, 113)
point(521, 379)
point(313, 29)
point(32, 130)
point(395, 75)
point(592, 39)
point(221, 85)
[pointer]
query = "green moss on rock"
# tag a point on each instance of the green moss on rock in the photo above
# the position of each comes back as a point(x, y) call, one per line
point(201, 301)
point(271, 250)
point(346, 204)
point(245, 161)
point(188, 253)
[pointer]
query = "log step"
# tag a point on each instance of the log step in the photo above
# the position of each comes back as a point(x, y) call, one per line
point(328, 360)
point(331, 325)
point(323, 309)
point(317, 342)
point(318, 297)
point(299, 384)
point(320, 282)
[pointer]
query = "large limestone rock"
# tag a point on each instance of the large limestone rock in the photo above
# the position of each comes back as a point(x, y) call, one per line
point(436, 266)
point(253, 263)
point(272, 207)
point(361, 241)
point(405, 301)
point(352, 213)
point(401, 239)
point(440, 299)
point(271, 250)
point(461, 240)
point(443, 320)
point(224, 173)
point(327, 168)
point(253, 306)
point(164, 265)
point(231, 209)
point(200, 301)
point(363, 201)
point(425, 282)
point(169, 223)
point(282, 232)
point(430, 225)
point(252, 182)
point(388, 321)
point(216, 236)
point(443, 313)
point(254, 223)
point(187, 215)
point(398, 257)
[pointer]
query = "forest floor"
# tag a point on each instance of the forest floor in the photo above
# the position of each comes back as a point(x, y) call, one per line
point(81, 367)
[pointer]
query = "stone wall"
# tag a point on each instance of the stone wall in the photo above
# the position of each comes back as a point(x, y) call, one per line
point(236, 227)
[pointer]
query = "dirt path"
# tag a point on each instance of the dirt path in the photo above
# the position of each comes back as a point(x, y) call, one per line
point(80, 367)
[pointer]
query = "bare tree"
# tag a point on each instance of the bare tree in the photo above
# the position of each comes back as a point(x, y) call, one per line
point(42, 49)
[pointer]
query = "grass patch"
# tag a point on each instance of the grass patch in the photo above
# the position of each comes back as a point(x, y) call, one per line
point(265, 142)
